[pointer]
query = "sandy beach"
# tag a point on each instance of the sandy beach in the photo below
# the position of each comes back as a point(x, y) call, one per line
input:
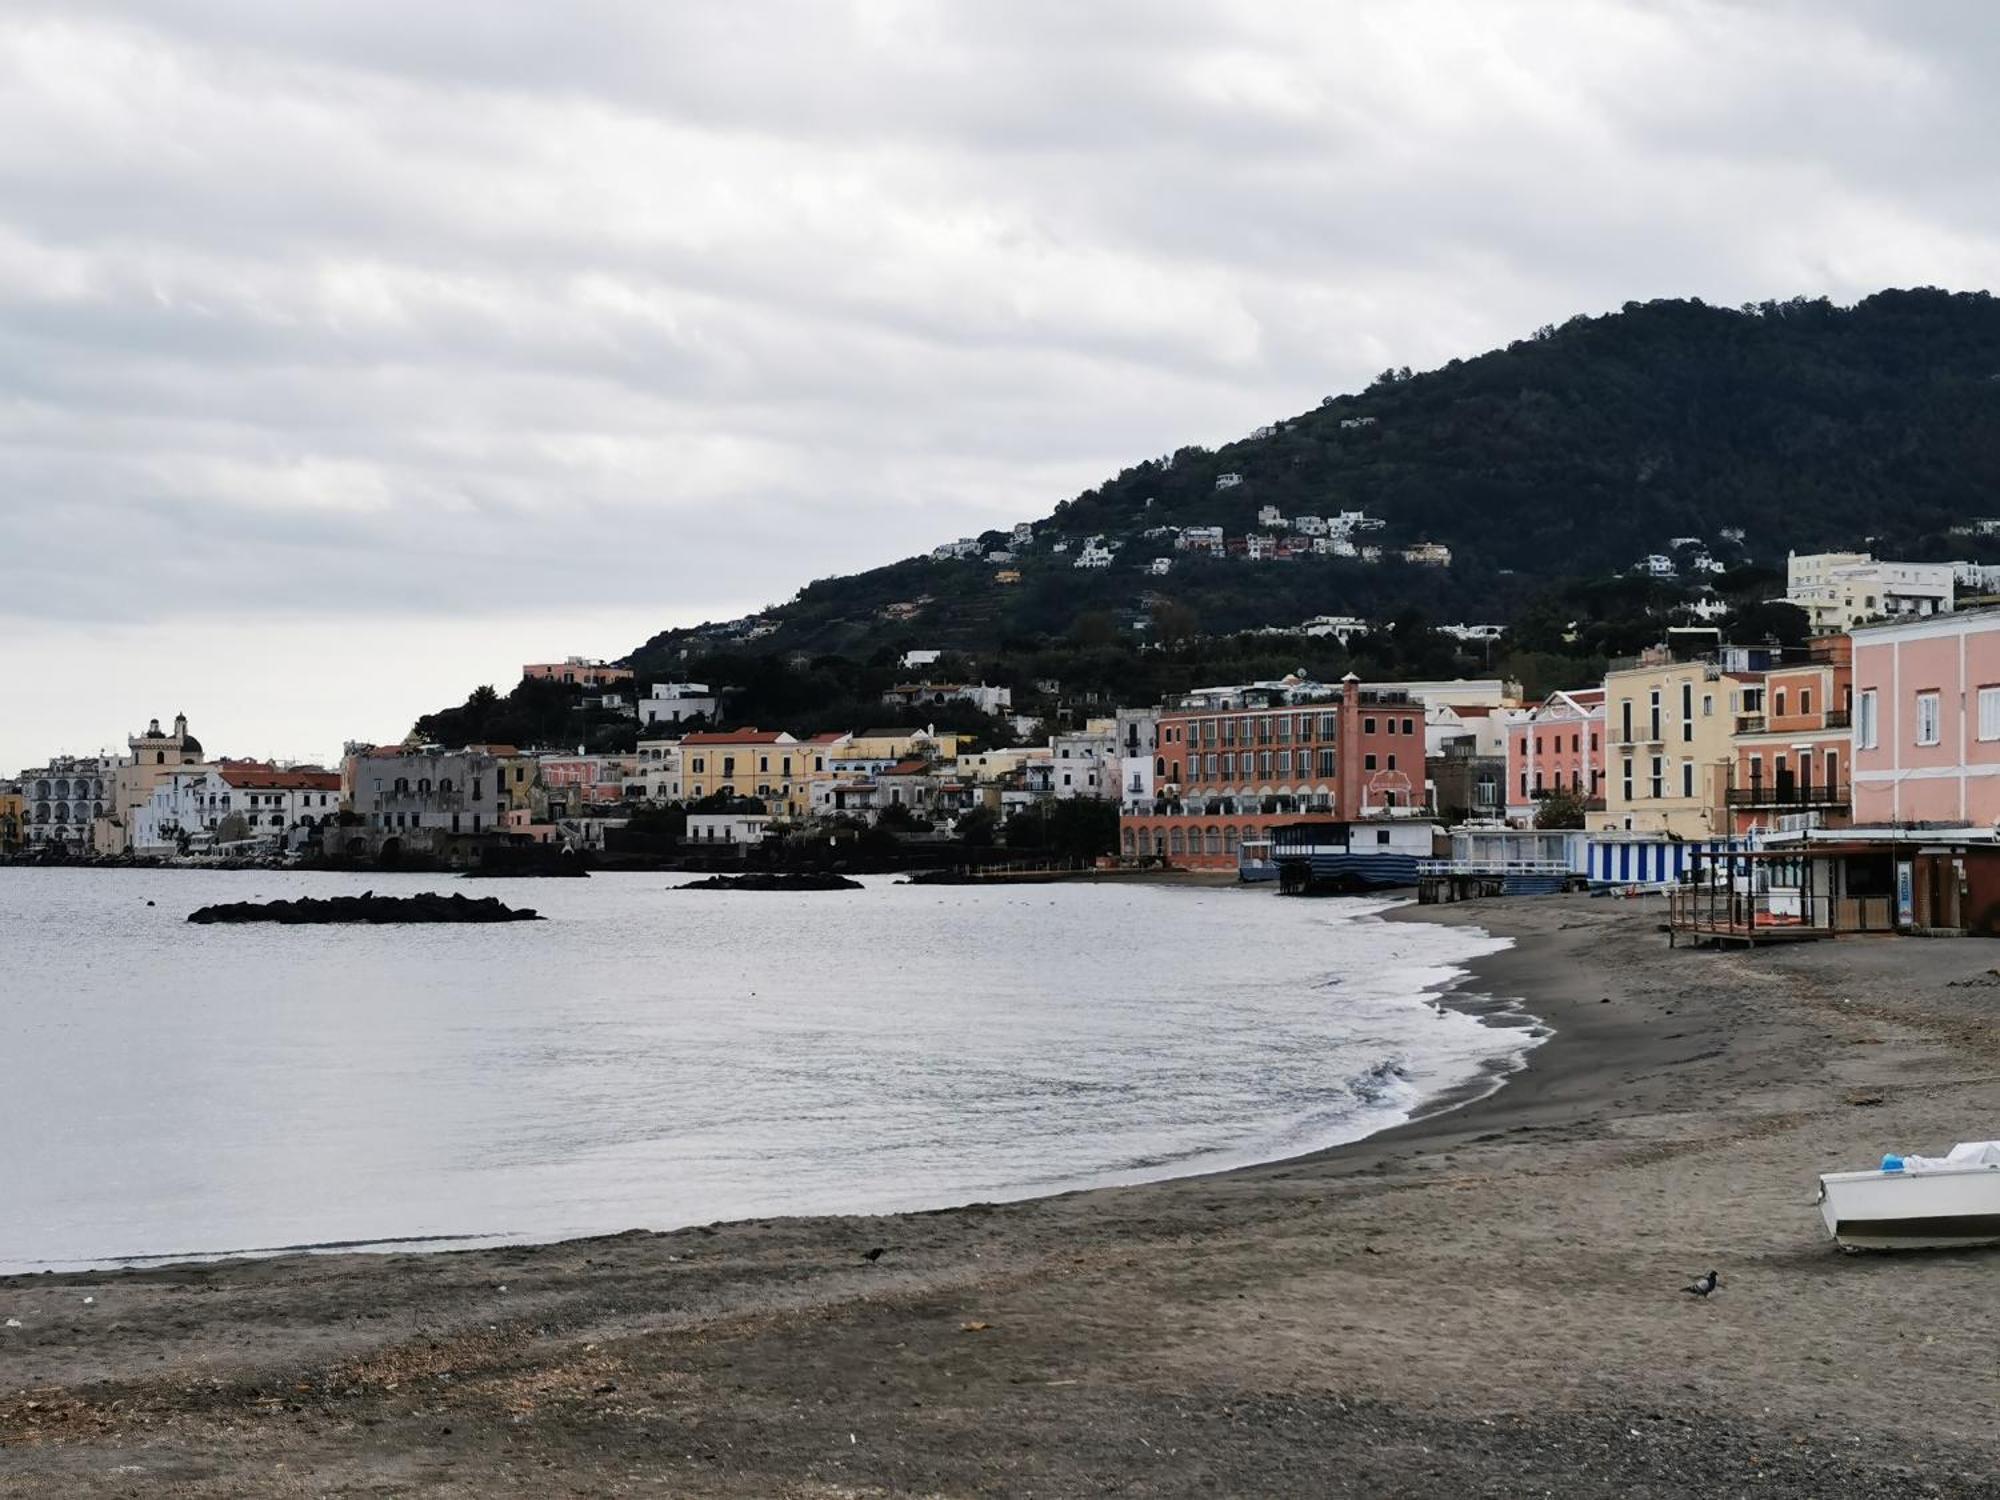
point(1486, 1301)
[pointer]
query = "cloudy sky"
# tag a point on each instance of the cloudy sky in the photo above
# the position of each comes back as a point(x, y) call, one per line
point(353, 352)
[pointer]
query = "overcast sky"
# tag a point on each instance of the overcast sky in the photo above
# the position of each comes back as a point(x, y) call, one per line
point(352, 352)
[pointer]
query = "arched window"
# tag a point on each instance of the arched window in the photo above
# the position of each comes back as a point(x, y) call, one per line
point(1128, 839)
point(1229, 839)
point(1159, 765)
point(1159, 843)
point(1179, 845)
point(159, 757)
point(1214, 839)
point(444, 787)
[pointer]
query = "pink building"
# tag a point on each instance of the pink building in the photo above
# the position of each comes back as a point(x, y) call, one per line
point(1927, 721)
point(1559, 746)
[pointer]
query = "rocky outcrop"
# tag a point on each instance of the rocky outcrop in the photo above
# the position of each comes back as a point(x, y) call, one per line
point(775, 880)
point(366, 908)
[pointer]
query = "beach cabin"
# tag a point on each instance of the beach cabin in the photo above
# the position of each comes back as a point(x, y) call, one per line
point(1345, 857)
point(1494, 860)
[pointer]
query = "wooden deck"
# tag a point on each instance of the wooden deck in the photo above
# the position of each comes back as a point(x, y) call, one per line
point(1716, 916)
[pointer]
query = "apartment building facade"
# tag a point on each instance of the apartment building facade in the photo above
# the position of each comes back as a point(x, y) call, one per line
point(1557, 747)
point(1926, 721)
point(1793, 751)
point(1669, 746)
point(1231, 764)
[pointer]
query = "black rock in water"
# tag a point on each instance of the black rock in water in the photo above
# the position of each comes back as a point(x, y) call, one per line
point(368, 908)
point(799, 880)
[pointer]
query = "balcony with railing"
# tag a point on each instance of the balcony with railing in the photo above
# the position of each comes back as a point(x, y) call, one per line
point(1789, 794)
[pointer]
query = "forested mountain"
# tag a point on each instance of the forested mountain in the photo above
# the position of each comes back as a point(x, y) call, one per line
point(1565, 457)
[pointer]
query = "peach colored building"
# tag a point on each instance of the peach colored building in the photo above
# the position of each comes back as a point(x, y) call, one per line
point(581, 670)
point(1927, 721)
point(1793, 749)
point(1232, 764)
point(1559, 746)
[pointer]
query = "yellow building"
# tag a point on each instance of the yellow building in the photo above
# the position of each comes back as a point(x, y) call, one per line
point(1669, 746)
point(13, 820)
point(515, 775)
point(768, 764)
point(152, 757)
point(899, 744)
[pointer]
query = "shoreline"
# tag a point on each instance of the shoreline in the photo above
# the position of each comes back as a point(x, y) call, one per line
point(1494, 1074)
point(1483, 1299)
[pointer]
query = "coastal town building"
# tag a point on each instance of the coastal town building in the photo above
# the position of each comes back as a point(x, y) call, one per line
point(399, 790)
point(1926, 722)
point(678, 703)
point(767, 764)
point(1235, 762)
point(659, 769)
point(149, 758)
point(63, 798)
point(1669, 746)
point(1793, 754)
point(195, 807)
point(581, 670)
point(1558, 746)
point(1086, 762)
point(13, 817)
point(992, 700)
point(576, 784)
point(1839, 590)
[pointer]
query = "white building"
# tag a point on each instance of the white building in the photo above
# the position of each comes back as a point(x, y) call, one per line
point(1428, 554)
point(1350, 423)
point(1656, 565)
point(1270, 515)
point(677, 702)
point(1228, 481)
point(710, 829)
point(1309, 525)
point(1342, 628)
point(1086, 762)
point(443, 791)
point(1260, 548)
point(910, 661)
point(1160, 565)
point(189, 808)
point(1024, 533)
point(1976, 578)
point(1473, 634)
point(1095, 554)
point(1839, 590)
point(659, 769)
point(60, 800)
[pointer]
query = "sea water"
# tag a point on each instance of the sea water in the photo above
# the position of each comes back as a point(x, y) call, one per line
point(649, 1057)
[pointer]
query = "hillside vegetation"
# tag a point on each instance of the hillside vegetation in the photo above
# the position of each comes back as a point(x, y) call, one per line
point(1546, 467)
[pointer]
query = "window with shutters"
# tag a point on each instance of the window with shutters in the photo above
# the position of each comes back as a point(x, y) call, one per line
point(1989, 713)
point(1928, 721)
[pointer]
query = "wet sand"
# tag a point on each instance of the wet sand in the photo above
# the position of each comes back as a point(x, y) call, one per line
point(1486, 1301)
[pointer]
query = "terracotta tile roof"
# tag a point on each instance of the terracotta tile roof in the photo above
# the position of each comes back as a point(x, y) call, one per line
point(735, 737)
point(912, 767)
point(268, 779)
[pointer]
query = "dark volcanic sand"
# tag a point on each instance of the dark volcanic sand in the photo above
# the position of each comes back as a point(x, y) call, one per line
point(1486, 1302)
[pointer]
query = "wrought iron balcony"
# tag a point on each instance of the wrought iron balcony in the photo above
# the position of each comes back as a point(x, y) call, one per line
point(1788, 795)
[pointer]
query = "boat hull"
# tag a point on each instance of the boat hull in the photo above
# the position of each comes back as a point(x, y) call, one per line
point(1911, 1211)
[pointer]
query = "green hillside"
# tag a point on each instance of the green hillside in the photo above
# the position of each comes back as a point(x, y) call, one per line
point(1546, 467)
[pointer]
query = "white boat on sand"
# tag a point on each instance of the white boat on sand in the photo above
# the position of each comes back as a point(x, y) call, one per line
point(1917, 1202)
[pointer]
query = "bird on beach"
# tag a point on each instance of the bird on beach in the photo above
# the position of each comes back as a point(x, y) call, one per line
point(1703, 1286)
point(871, 1256)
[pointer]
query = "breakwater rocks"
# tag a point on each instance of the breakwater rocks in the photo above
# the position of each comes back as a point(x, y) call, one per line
point(366, 908)
point(802, 880)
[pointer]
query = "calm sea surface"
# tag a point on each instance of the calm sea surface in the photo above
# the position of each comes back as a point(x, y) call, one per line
point(654, 1058)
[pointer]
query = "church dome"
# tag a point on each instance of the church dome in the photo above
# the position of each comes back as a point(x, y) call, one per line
point(190, 745)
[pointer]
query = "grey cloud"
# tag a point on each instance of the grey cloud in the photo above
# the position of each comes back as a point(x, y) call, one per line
point(371, 307)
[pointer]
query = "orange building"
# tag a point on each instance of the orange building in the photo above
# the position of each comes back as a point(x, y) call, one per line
point(1793, 762)
point(1231, 764)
